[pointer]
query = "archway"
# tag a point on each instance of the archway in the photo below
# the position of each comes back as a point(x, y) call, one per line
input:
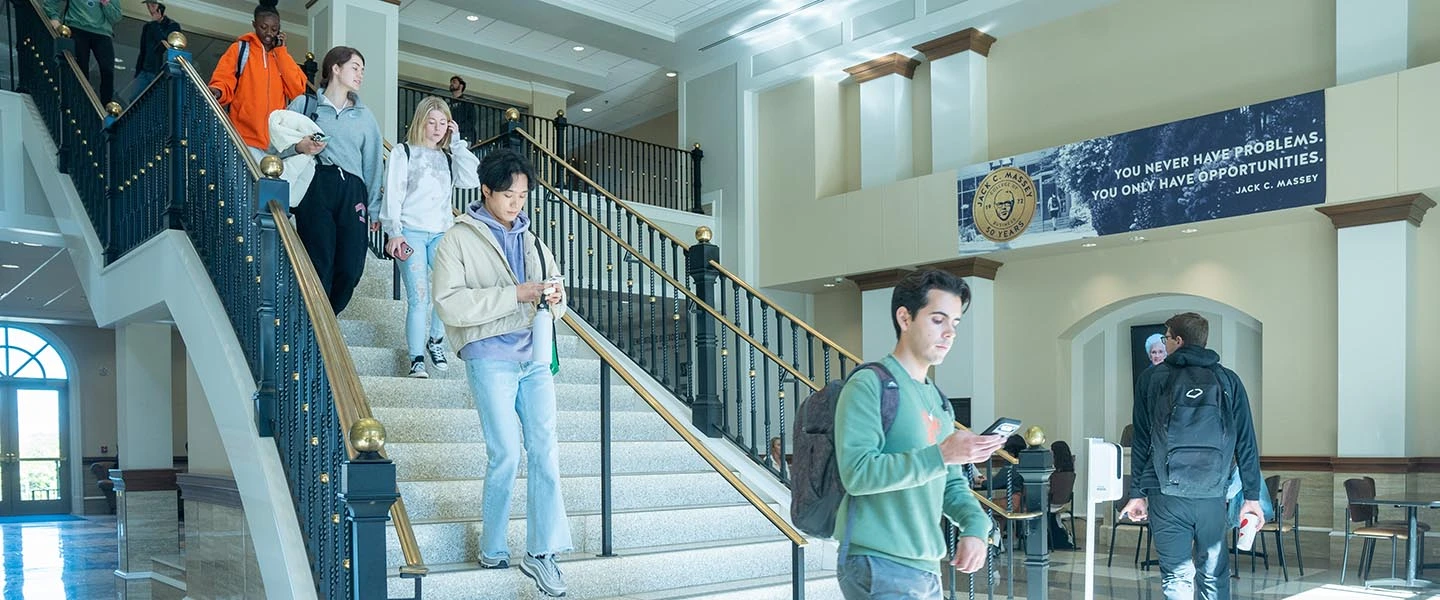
point(35, 477)
point(1097, 350)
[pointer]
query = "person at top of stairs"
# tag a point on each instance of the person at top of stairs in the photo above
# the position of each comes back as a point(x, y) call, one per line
point(415, 212)
point(487, 283)
point(257, 75)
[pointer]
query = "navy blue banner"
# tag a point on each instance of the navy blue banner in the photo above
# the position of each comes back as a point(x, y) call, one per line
point(1252, 159)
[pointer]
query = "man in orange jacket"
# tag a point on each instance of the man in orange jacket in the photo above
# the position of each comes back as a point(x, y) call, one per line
point(257, 76)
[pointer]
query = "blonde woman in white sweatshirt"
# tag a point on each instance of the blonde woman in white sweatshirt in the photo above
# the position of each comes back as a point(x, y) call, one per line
point(415, 212)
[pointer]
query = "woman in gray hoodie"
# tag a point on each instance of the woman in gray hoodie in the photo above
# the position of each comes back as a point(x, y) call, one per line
point(332, 217)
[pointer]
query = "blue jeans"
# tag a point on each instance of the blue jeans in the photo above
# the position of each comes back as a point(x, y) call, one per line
point(515, 399)
point(419, 310)
point(873, 578)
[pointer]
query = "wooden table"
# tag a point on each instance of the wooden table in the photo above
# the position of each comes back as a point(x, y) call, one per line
point(1412, 503)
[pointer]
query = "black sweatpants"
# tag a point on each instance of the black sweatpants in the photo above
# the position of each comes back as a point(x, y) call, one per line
point(1189, 535)
point(331, 223)
point(89, 44)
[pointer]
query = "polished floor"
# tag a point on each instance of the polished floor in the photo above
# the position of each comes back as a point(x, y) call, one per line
point(67, 560)
point(74, 560)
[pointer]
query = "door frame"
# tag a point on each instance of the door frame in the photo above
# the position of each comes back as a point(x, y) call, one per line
point(10, 389)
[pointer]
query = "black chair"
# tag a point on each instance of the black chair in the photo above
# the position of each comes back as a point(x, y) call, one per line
point(1367, 516)
point(1117, 522)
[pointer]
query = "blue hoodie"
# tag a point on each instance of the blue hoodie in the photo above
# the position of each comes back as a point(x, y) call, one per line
point(513, 346)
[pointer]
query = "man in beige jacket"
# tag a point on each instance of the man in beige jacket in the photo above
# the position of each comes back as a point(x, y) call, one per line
point(486, 284)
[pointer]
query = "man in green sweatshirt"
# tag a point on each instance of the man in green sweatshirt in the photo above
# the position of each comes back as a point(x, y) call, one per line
point(92, 23)
point(899, 482)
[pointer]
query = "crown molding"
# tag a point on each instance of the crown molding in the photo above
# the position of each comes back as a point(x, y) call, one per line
point(1409, 207)
point(893, 63)
point(973, 266)
point(970, 39)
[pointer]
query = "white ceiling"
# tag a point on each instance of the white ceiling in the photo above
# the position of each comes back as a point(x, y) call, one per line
point(39, 282)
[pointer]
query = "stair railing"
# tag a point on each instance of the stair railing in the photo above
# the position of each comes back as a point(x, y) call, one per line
point(173, 162)
point(609, 364)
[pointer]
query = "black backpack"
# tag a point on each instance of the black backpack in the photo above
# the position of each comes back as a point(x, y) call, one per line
point(1194, 434)
point(815, 486)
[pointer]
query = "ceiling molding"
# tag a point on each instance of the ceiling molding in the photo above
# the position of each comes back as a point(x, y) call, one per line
point(623, 19)
point(471, 73)
point(1409, 207)
point(537, 64)
point(878, 280)
point(968, 39)
point(893, 63)
point(973, 266)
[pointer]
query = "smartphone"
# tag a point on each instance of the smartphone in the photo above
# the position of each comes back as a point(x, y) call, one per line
point(319, 137)
point(404, 252)
point(1003, 427)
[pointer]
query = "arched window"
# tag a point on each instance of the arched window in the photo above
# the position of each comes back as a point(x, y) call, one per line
point(24, 355)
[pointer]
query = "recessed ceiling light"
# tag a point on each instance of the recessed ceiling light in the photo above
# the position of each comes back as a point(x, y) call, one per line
point(1088, 245)
point(31, 244)
point(9, 266)
point(119, 60)
point(587, 109)
point(829, 285)
point(15, 243)
point(472, 18)
point(578, 48)
point(1189, 230)
point(1137, 238)
point(119, 67)
point(671, 74)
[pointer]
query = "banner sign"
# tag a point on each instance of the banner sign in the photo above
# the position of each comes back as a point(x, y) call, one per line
point(1252, 159)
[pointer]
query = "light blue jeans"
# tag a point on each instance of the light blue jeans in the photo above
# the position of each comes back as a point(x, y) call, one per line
point(874, 578)
point(419, 310)
point(516, 401)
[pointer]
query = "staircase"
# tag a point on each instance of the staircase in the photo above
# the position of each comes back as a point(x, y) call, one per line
point(679, 530)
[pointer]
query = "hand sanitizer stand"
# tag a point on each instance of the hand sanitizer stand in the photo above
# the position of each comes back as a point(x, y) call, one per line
point(1104, 484)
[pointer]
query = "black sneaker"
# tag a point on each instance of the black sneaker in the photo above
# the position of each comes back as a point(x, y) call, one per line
point(436, 347)
point(417, 368)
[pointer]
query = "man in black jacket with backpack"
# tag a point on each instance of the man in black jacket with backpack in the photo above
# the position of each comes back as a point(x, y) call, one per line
point(1192, 423)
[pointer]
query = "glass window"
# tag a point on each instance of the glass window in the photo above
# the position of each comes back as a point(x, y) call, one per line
point(24, 354)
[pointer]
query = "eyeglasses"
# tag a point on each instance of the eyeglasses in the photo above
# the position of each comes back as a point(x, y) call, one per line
point(1171, 337)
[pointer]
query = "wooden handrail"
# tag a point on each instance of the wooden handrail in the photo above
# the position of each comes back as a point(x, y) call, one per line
point(345, 388)
point(621, 203)
point(694, 442)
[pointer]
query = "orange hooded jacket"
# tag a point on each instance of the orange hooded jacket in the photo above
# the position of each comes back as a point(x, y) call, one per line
point(269, 82)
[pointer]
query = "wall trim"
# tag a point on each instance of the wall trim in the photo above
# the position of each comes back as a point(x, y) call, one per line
point(209, 489)
point(143, 480)
point(893, 63)
point(878, 280)
point(971, 39)
point(1352, 464)
point(1409, 207)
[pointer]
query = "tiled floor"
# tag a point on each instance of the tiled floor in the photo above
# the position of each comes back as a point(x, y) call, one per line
point(59, 560)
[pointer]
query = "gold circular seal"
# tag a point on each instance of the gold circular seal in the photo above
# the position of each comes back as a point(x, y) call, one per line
point(1004, 204)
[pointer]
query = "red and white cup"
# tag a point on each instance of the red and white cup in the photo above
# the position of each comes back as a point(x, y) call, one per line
point(1248, 526)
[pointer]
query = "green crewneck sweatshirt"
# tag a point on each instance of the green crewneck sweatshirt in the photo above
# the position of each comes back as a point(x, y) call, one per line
point(90, 15)
point(897, 482)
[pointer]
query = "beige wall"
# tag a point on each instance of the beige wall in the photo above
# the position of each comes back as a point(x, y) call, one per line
point(1283, 276)
point(1424, 35)
point(1426, 403)
point(786, 169)
point(1137, 63)
point(837, 316)
point(663, 130)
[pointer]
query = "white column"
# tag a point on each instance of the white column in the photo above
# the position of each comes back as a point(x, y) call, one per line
point(206, 452)
point(959, 135)
point(373, 28)
point(1378, 366)
point(1372, 38)
point(143, 388)
point(887, 141)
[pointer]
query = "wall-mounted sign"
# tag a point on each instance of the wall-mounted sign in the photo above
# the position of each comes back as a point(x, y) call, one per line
point(1256, 158)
